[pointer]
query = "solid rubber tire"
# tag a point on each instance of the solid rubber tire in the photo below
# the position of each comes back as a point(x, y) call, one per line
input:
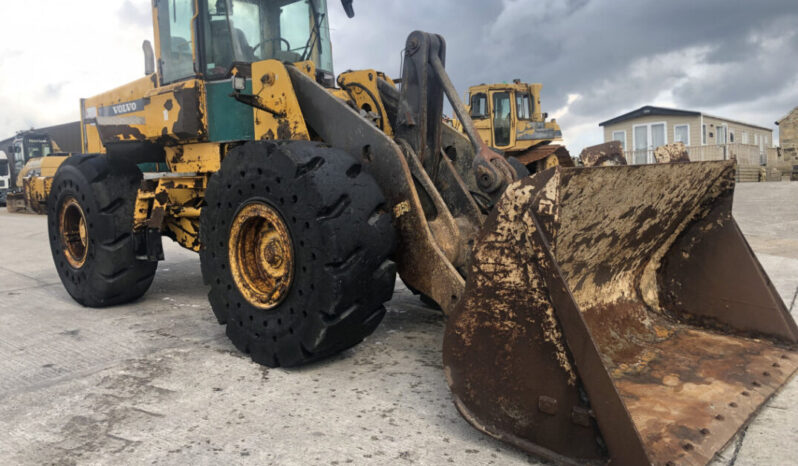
point(105, 189)
point(342, 240)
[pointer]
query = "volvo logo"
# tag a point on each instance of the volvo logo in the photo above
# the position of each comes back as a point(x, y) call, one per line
point(122, 108)
point(125, 108)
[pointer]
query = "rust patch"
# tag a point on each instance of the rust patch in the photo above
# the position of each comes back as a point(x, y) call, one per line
point(113, 133)
point(614, 272)
point(504, 348)
point(162, 197)
point(177, 155)
point(189, 119)
point(284, 129)
point(261, 255)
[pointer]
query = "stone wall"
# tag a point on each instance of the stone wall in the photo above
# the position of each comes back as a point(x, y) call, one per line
point(788, 129)
point(788, 142)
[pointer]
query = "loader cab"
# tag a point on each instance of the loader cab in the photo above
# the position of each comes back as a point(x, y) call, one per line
point(207, 58)
point(208, 38)
point(25, 147)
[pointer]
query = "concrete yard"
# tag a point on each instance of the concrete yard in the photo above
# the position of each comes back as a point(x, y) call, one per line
point(157, 381)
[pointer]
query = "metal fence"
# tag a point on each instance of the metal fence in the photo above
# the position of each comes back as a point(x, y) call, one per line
point(745, 154)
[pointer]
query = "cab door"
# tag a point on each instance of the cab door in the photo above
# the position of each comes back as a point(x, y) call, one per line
point(502, 119)
point(479, 111)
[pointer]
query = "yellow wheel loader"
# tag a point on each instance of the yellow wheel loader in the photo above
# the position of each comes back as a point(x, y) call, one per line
point(33, 163)
point(510, 119)
point(607, 314)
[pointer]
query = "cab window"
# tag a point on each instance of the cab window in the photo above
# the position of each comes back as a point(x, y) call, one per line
point(253, 30)
point(501, 118)
point(19, 157)
point(479, 106)
point(176, 42)
point(38, 148)
point(523, 106)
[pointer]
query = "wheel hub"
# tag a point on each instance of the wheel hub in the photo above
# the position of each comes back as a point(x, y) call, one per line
point(74, 232)
point(261, 255)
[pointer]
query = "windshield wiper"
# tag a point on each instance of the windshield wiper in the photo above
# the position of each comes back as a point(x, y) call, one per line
point(314, 34)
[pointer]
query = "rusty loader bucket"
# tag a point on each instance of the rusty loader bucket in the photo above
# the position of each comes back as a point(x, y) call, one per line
point(617, 314)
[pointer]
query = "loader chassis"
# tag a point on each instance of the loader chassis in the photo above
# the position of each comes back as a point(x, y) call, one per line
point(566, 306)
point(204, 129)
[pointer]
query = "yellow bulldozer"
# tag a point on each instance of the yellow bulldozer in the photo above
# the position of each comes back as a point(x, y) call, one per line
point(605, 314)
point(509, 118)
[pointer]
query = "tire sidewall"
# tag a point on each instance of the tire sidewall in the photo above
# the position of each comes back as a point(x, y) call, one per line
point(105, 189)
point(341, 238)
point(306, 287)
point(71, 182)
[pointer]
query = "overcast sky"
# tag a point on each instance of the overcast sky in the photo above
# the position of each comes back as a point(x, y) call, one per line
point(596, 59)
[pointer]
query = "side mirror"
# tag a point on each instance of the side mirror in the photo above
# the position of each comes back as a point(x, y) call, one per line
point(350, 12)
point(10, 149)
point(149, 58)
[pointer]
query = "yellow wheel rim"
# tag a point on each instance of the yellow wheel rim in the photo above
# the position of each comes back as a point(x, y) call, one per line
point(74, 232)
point(261, 255)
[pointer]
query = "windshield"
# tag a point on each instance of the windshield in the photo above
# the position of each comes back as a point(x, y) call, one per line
point(522, 105)
point(38, 148)
point(252, 30)
point(3, 167)
point(479, 106)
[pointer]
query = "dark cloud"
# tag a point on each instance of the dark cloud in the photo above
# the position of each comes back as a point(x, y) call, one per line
point(617, 55)
point(732, 58)
point(765, 66)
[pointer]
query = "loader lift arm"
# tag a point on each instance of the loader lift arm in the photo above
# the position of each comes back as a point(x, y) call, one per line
point(431, 198)
point(569, 332)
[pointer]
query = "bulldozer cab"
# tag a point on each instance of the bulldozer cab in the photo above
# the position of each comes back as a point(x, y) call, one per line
point(509, 116)
point(206, 38)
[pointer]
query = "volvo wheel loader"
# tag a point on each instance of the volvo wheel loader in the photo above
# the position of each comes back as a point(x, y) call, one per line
point(607, 314)
point(510, 119)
